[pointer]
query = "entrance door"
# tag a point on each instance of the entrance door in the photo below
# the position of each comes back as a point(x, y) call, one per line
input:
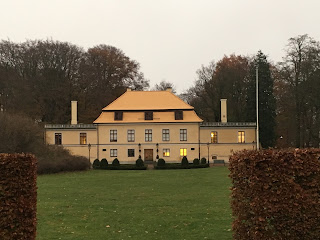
point(148, 155)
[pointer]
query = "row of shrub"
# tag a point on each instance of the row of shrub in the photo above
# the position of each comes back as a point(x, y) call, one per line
point(161, 164)
point(18, 196)
point(276, 194)
point(115, 165)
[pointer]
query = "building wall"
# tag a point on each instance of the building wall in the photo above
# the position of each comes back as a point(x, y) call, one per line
point(227, 141)
point(71, 141)
point(174, 144)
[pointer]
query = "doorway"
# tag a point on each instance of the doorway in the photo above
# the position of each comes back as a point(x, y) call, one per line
point(148, 155)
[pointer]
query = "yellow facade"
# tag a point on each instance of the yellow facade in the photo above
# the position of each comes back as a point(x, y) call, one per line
point(171, 131)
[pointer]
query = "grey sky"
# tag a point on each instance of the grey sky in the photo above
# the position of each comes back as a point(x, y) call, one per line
point(171, 39)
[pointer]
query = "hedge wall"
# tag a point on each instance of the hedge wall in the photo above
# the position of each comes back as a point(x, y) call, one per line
point(276, 194)
point(18, 196)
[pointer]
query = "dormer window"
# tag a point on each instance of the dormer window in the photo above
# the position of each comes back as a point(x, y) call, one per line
point(148, 115)
point(178, 115)
point(118, 116)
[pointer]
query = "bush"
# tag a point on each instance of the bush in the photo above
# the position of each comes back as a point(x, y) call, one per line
point(96, 164)
point(104, 163)
point(275, 194)
point(115, 162)
point(18, 196)
point(203, 160)
point(184, 162)
point(21, 134)
point(161, 162)
point(139, 162)
point(196, 161)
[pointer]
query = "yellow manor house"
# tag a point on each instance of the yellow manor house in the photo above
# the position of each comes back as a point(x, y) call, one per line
point(153, 125)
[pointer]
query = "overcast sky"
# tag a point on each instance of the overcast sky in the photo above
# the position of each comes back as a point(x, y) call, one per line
point(170, 39)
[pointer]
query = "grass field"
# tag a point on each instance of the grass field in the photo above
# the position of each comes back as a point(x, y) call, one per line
point(155, 204)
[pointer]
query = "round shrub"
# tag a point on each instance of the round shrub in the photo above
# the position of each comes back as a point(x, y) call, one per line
point(184, 161)
point(161, 162)
point(196, 161)
point(203, 160)
point(115, 162)
point(96, 164)
point(139, 162)
point(103, 163)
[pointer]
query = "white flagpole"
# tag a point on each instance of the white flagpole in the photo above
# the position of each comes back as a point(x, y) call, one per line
point(257, 105)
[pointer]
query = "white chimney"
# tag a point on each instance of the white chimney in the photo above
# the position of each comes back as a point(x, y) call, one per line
point(129, 89)
point(223, 110)
point(74, 117)
point(169, 89)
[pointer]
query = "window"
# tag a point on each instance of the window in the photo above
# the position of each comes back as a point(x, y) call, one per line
point(83, 138)
point(166, 152)
point(183, 152)
point(113, 136)
point(178, 115)
point(130, 135)
point(148, 135)
point(241, 137)
point(214, 137)
point(130, 152)
point(148, 115)
point(165, 135)
point(113, 152)
point(183, 134)
point(58, 138)
point(118, 115)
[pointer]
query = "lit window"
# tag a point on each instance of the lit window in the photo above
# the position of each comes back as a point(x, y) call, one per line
point(130, 135)
point(58, 138)
point(148, 135)
point(214, 137)
point(113, 152)
point(165, 135)
point(113, 136)
point(241, 137)
point(166, 152)
point(130, 152)
point(83, 138)
point(183, 152)
point(183, 134)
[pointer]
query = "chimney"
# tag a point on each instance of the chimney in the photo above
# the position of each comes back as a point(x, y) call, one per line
point(74, 117)
point(129, 90)
point(169, 89)
point(223, 110)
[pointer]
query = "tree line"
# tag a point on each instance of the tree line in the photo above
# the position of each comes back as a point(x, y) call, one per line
point(39, 78)
point(289, 93)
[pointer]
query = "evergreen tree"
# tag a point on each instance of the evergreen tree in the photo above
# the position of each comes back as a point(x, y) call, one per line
point(267, 102)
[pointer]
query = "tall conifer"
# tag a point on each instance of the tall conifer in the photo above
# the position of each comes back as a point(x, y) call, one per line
point(267, 102)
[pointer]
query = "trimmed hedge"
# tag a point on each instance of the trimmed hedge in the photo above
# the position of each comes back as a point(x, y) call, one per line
point(139, 163)
point(96, 164)
point(161, 162)
point(104, 163)
point(196, 161)
point(180, 166)
point(115, 162)
point(203, 160)
point(126, 167)
point(18, 196)
point(276, 194)
point(184, 162)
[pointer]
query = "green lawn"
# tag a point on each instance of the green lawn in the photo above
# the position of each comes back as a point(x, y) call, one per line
point(155, 204)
